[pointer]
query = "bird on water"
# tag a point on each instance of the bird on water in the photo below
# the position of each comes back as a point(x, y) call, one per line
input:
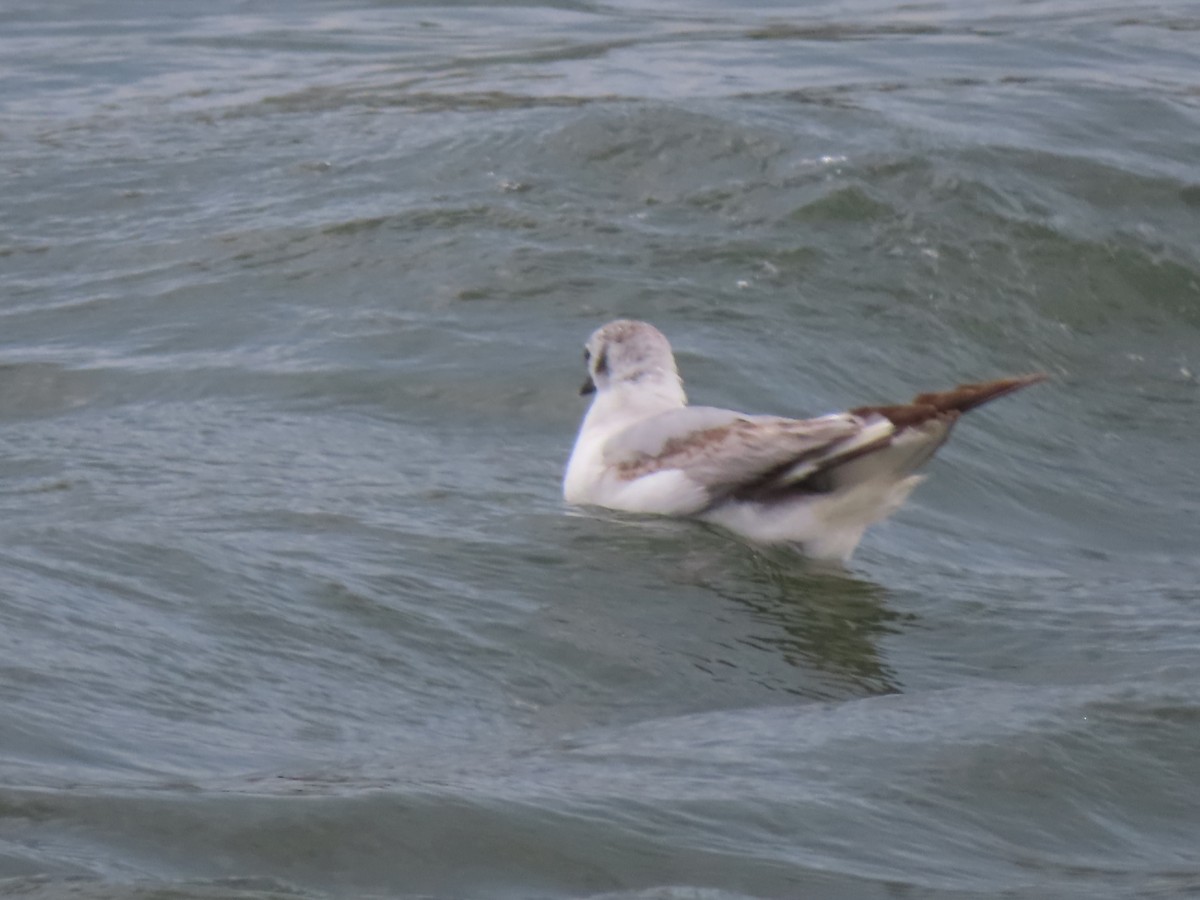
point(816, 484)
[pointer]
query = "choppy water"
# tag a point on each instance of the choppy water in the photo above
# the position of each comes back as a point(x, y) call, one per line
point(291, 305)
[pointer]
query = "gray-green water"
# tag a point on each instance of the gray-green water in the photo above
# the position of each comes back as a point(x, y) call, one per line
point(292, 298)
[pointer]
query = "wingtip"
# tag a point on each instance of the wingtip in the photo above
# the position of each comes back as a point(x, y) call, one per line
point(968, 396)
point(1013, 382)
point(951, 403)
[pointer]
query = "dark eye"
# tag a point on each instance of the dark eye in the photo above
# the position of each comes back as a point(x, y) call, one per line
point(587, 355)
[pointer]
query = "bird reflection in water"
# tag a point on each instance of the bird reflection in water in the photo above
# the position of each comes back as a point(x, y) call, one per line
point(825, 624)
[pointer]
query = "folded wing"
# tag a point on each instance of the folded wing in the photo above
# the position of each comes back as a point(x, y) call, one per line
point(728, 453)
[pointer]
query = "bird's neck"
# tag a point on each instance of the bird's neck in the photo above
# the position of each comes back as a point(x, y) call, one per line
point(624, 403)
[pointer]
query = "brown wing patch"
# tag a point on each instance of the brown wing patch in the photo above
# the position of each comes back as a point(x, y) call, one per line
point(733, 453)
point(679, 451)
point(949, 404)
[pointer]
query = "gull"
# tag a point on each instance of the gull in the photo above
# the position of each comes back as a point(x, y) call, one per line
point(816, 484)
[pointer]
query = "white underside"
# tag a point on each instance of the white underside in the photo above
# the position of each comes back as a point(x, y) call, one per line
point(825, 526)
point(829, 526)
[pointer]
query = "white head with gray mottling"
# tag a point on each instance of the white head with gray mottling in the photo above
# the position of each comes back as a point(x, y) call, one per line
point(627, 352)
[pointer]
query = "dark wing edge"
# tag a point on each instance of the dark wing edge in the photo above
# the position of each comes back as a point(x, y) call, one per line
point(757, 450)
point(933, 413)
point(951, 403)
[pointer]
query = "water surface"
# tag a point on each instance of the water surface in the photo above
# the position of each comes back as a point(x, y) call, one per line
point(291, 310)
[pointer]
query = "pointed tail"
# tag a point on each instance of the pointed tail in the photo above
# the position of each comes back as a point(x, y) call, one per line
point(949, 404)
